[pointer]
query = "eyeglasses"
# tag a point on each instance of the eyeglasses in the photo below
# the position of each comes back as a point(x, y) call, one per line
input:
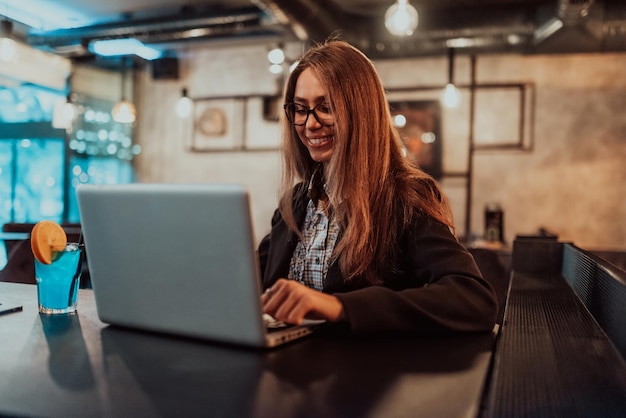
point(298, 114)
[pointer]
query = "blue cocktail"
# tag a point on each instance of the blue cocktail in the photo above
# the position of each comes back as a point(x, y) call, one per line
point(57, 283)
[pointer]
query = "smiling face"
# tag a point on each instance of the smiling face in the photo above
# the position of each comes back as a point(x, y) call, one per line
point(317, 138)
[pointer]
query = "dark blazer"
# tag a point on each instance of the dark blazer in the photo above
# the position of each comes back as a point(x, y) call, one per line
point(439, 288)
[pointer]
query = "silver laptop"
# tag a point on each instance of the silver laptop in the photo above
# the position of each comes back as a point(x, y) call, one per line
point(177, 259)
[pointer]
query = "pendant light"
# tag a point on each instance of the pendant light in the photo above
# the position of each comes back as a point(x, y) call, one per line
point(184, 105)
point(8, 49)
point(450, 96)
point(124, 111)
point(401, 18)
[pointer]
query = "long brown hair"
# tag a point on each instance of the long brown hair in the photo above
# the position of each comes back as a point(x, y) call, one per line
point(375, 192)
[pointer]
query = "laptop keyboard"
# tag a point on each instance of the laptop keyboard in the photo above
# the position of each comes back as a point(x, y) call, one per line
point(272, 323)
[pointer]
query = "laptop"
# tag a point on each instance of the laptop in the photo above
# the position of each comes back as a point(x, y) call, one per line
point(178, 259)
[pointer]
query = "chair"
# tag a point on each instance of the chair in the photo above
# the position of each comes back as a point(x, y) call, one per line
point(20, 267)
point(17, 229)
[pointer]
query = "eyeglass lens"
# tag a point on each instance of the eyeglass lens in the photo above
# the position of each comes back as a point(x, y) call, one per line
point(299, 114)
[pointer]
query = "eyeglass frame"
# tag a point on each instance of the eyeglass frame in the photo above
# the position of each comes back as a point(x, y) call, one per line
point(308, 112)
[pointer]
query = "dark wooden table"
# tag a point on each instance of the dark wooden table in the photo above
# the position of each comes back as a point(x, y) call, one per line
point(76, 366)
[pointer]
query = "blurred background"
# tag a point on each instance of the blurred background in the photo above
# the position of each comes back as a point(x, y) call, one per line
point(516, 107)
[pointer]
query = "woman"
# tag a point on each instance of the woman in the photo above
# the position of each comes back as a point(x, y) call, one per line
point(364, 237)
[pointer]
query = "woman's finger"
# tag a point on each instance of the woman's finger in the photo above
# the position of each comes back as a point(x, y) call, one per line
point(292, 302)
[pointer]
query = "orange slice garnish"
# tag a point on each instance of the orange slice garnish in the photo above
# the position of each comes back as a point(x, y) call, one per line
point(46, 239)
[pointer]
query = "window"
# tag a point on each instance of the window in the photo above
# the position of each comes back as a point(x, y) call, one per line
point(40, 166)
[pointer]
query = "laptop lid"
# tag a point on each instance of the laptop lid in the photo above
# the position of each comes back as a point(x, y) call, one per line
point(175, 259)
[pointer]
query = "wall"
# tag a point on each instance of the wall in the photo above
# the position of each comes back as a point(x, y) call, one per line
point(165, 138)
point(570, 181)
point(574, 181)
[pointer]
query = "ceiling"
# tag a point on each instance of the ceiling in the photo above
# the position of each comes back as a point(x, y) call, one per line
point(469, 26)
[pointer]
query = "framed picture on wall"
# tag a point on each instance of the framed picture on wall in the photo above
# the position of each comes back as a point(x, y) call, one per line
point(419, 125)
point(509, 117)
point(218, 124)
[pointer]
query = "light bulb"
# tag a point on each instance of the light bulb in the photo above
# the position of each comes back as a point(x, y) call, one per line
point(276, 56)
point(428, 137)
point(399, 121)
point(275, 69)
point(401, 18)
point(451, 97)
point(184, 105)
point(8, 50)
point(124, 112)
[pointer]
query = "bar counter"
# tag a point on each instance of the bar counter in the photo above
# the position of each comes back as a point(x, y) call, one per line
point(76, 366)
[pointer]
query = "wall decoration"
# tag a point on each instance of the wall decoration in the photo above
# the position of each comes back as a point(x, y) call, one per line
point(505, 117)
point(218, 124)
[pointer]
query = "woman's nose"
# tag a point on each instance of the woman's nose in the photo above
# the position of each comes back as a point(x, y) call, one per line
point(312, 122)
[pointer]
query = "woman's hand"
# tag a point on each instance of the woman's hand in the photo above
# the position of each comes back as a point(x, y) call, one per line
point(291, 302)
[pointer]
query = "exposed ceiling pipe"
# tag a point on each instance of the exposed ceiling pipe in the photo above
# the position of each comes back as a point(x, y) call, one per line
point(310, 20)
point(315, 20)
point(560, 14)
point(175, 27)
point(580, 26)
point(587, 26)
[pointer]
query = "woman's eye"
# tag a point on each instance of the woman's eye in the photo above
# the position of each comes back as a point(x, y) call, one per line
point(324, 109)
